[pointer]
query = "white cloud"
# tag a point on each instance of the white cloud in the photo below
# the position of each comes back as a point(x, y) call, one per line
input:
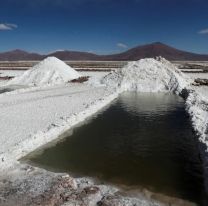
point(204, 31)
point(5, 27)
point(122, 45)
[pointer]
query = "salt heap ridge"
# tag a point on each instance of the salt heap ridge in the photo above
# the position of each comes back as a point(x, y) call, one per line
point(48, 72)
point(147, 75)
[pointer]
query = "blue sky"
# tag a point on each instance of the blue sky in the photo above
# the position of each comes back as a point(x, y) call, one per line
point(102, 26)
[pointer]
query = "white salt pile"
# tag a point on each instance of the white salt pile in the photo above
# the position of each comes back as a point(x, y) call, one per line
point(147, 75)
point(49, 71)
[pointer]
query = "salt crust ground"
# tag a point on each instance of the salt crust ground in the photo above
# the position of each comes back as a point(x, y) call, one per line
point(197, 75)
point(197, 107)
point(31, 117)
point(33, 186)
point(34, 116)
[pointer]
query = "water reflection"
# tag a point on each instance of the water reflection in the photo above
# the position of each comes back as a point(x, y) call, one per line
point(150, 103)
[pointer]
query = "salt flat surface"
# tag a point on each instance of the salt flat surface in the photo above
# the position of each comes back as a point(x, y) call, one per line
point(24, 114)
point(94, 77)
point(202, 90)
point(11, 73)
point(15, 73)
point(197, 75)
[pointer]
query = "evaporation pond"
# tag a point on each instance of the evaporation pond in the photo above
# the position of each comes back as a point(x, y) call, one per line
point(141, 139)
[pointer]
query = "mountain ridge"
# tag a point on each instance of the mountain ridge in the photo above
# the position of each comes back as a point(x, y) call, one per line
point(144, 51)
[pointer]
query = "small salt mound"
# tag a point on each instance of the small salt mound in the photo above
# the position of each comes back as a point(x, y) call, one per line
point(147, 75)
point(49, 71)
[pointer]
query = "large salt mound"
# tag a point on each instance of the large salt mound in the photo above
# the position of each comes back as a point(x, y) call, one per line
point(49, 71)
point(147, 75)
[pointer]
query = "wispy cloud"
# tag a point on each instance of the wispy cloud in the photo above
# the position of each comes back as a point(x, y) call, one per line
point(122, 45)
point(5, 26)
point(203, 31)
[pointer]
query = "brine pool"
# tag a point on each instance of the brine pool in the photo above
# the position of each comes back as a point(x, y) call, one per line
point(140, 140)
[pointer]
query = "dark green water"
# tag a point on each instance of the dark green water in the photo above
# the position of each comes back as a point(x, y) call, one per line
point(143, 140)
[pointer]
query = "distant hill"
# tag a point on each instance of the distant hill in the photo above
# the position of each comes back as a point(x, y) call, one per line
point(157, 49)
point(145, 51)
point(18, 55)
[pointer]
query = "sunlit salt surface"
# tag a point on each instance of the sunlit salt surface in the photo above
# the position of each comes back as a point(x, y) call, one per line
point(141, 140)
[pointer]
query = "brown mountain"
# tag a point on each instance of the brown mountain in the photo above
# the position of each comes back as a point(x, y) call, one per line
point(145, 51)
point(18, 55)
point(154, 50)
